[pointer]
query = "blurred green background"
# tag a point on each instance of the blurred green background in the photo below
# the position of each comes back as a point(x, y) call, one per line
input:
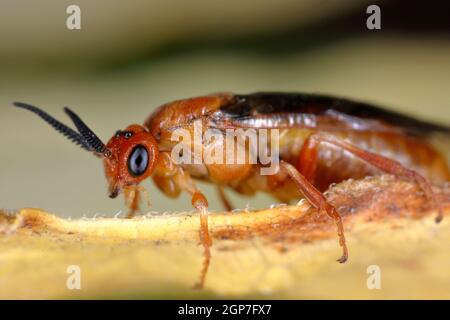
point(131, 56)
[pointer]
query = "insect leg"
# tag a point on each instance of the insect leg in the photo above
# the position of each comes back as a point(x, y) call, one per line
point(307, 163)
point(382, 163)
point(225, 201)
point(200, 203)
point(132, 199)
point(318, 200)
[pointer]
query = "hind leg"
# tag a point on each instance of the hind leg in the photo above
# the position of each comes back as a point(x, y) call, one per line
point(318, 200)
point(308, 162)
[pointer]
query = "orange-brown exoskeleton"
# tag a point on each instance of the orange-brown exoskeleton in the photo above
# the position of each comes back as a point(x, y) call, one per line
point(321, 140)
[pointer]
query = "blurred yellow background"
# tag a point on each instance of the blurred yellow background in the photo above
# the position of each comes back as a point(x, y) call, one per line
point(130, 57)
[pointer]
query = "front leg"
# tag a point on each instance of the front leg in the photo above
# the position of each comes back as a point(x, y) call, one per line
point(133, 197)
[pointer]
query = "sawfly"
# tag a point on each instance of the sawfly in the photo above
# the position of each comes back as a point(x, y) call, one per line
point(321, 140)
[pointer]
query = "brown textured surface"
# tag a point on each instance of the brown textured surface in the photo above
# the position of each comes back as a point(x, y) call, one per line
point(368, 200)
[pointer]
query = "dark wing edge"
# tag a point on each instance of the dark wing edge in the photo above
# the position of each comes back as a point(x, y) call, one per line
point(287, 110)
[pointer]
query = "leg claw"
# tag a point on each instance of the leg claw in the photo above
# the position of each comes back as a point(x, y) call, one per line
point(342, 259)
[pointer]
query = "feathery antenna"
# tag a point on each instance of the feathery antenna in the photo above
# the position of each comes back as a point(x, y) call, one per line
point(85, 138)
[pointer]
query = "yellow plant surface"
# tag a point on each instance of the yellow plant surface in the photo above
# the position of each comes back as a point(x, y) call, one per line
point(284, 252)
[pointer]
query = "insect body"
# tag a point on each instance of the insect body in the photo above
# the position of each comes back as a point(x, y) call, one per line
point(322, 140)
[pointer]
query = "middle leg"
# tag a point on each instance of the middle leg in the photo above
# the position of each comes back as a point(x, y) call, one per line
point(199, 202)
point(223, 197)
